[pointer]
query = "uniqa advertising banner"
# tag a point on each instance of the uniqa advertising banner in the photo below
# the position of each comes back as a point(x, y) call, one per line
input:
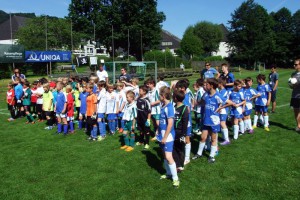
point(11, 53)
point(47, 56)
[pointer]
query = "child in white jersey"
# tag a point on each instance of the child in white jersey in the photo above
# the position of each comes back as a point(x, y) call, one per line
point(112, 108)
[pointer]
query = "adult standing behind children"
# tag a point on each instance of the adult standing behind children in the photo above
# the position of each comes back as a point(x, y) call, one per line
point(295, 100)
point(209, 72)
point(124, 75)
point(228, 76)
point(18, 74)
point(273, 82)
point(102, 74)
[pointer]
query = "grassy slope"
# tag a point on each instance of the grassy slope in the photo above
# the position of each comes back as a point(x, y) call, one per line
point(35, 164)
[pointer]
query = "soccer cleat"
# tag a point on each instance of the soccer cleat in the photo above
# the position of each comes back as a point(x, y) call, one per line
point(89, 138)
point(94, 139)
point(101, 138)
point(211, 160)
point(267, 129)
point(120, 130)
point(176, 183)
point(146, 146)
point(11, 119)
point(180, 169)
point(154, 139)
point(166, 176)
point(225, 143)
point(186, 162)
point(251, 131)
point(196, 156)
point(40, 120)
point(128, 149)
point(27, 122)
point(71, 132)
point(253, 127)
point(48, 128)
point(33, 122)
point(297, 129)
point(138, 144)
point(124, 147)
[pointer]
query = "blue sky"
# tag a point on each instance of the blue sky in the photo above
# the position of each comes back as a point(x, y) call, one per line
point(179, 13)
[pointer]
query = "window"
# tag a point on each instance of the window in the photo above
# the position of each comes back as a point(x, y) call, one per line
point(166, 43)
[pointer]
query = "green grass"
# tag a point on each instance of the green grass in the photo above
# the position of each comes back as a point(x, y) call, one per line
point(35, 164)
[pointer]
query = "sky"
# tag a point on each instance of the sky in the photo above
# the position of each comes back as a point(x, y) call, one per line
point(179, 13)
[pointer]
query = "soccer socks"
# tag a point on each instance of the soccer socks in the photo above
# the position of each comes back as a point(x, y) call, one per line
point(235, 131)
point(173, 171)
point(147, 138)
point(65, 129)
point(132, 139)
point(126, 139)
point(100, 126)
point(213, 151)
point(168, 170)
point(59, 128)
point(225, 134)
point(113, 126)
point(28, 118)
point(266, 121)
point(80, 124)
point(201, 147)
point(242, 126)
point(110, 125)
point(261, 119)
point(187, 151)
point(255, 120)
point(94, 132)
point(71, 126)
point(122, 124)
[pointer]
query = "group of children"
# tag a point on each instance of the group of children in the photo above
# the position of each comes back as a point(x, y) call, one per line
point(155, 109)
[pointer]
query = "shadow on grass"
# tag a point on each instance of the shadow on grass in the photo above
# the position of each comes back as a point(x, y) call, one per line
point(281, 125)
point(155, 161)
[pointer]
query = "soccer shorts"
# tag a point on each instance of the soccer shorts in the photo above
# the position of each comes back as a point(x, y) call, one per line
point(61, 115)
point(142, 127)
point(19, 103)
point(39, 108)
point(273, 96)
point(112, 116)
point(236, 114)
point(48, 113)
point(247, 112)
point(120, 115)
point(128, 126)
point(214, 129)
point(168, 147)
point(223, 117)
point(70, 118)
point(101, 115)
point(295, 103)
point(262, 109)
point(27, 108)
point(155, 116)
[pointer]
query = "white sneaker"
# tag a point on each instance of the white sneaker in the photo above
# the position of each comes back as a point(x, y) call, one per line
point(186, 162)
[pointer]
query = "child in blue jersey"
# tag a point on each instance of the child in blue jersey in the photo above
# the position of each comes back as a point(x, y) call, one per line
point(249, 94)
point(101, 109)
point(112, 108)
point(82, 110)
point(122, 102)
point(263, 101)
point(213, 103)
point(130, 114)
point(237, 98)
point(166, 134)
point(198, 87)
point(224, 112)
point(183, 85)
point(18, 96)
point(60, 109)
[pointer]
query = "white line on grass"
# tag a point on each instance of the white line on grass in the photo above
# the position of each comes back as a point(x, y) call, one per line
point(2, 113)
point(284, 105)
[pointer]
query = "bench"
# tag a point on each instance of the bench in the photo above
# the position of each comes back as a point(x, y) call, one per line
point(68, 68)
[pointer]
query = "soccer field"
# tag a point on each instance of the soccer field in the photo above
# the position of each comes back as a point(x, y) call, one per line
point(37, 164)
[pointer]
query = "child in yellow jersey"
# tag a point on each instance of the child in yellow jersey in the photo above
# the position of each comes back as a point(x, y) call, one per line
point(48, 106)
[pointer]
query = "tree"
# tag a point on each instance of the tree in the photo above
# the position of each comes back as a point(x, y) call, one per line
point(190, 43)
point(139, 17)
point(283, 37)
point(296, 34)
point(58, 34)
point(210, 34)
point(251, 35)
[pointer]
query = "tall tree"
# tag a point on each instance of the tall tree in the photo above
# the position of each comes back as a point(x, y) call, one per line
point(58, 34)
point(140, 18)
point(282, 37)
point(210, 34)
point(251, 35)
point(190, 43)
point(296, 34)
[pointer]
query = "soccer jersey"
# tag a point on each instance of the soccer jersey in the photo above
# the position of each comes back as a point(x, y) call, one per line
point(70, 105)
point(143, 108)
point(95, 89)
point(188, 98)
point(112, 99)
point(33, 96)
point(167, 112)
point(77, 100)
point(296, 89)
point(91, 100)
point(54, 93)
point(60, 101)
point(264, 90)
point(40, 90)
point(47, 101)
point(134, 89)
point(18, 91)
point(209, 73)
point(102, 75)
point(130, 112)
point(224, 94)
point(248, 94)
point(181, 121)
point(197, 98)
point(27, 97)
point(273, 77)
point(154, 96)
point(122, 99)
point(236, 97)
point(102, 101)
point(160, 84)
point(10, 97)
point(82, 97)
point(212, 103)
point(229, 79)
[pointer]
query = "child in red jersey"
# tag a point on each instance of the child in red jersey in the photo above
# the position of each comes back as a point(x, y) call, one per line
point(33, 98)
point(10, 99)
point(70, 108)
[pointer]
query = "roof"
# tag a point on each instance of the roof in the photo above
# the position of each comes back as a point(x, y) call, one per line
point(225, 32)
point(16, 23)
point(169, 37)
